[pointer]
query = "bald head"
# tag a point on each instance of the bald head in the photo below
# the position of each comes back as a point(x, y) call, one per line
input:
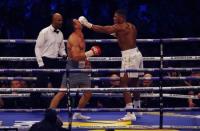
point(57, 20)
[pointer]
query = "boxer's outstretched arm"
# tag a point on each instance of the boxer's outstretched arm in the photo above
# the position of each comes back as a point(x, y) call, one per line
point(105, 29)
point(97, 28)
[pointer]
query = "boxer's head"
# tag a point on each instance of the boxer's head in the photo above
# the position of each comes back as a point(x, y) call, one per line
point(15, 84)
point(76, 24)
point(57, 20)
point(119, 16)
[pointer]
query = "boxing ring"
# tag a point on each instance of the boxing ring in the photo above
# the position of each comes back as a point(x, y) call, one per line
point(165, 119)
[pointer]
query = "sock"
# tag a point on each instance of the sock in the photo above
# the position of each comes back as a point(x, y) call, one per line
point(77, 113)
point(129, 106)
point(137, 103)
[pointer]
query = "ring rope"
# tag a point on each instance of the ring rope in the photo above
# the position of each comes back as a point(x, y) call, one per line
point(108, 78)
point(143, 95)
point(101, 70)
point(18, 78)
point(108, 109)
point(136, 127)
point(166, 40)
point(119, 89)
point(78, 70)
point(111, 59)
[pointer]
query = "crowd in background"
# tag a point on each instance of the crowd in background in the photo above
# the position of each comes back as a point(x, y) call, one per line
point(25, 18)
point(115, 98)
point(153, 19)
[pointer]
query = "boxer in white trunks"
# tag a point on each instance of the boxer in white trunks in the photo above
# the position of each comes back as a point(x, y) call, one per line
point(126, 33)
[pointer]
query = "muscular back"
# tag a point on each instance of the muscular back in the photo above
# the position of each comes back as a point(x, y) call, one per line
point(126, 35)
point(76, 46)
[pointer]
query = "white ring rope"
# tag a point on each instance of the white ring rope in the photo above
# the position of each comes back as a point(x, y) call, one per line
point(79, 70)
point(18, 78)
point(111, 59)
point(101, 70)
point(109, 78)
point(177, 109)
point(164, 40)
point(136, 127)
point(104, 89)
point(117, 95)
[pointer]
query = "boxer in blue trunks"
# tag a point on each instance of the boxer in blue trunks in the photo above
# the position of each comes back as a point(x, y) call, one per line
point(77, 60)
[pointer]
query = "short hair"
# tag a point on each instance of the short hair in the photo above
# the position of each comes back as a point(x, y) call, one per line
point(121, 12)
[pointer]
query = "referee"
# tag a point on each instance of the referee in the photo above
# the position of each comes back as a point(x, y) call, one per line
point(50, 45)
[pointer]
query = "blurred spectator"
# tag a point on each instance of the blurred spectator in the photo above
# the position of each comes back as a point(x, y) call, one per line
point(171, 83)
point(191, 102)
point(18, 84)
point(198, 95)
point(50, 122)
point(2, 85)
point(117, 101)
point(49, 85)
point(175, 82)
point(114, 82)
point(15, 84)
point(24, 84)
point(147, 82)
point(1, 103)
point(18, 102)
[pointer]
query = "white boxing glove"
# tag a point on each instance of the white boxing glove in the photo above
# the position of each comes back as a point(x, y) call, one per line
point(85, 22)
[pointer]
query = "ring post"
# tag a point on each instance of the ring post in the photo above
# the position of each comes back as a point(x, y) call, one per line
point(69, 107)
point(161, 85)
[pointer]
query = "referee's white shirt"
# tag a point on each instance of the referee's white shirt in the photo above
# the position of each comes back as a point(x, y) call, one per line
point(49, 44)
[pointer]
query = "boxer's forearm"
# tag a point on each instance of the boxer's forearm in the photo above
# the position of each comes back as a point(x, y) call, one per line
point(103, 29)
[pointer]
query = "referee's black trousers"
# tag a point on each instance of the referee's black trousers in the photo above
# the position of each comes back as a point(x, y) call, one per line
point(44, 78)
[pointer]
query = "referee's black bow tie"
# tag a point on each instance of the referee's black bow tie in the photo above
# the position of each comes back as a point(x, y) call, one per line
point(56, 31)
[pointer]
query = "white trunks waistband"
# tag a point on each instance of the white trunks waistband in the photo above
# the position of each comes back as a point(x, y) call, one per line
point(129, 51)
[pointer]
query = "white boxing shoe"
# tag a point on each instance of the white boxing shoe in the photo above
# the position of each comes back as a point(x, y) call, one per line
point(139, 114)
point(79, 116)
point(128, 117)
